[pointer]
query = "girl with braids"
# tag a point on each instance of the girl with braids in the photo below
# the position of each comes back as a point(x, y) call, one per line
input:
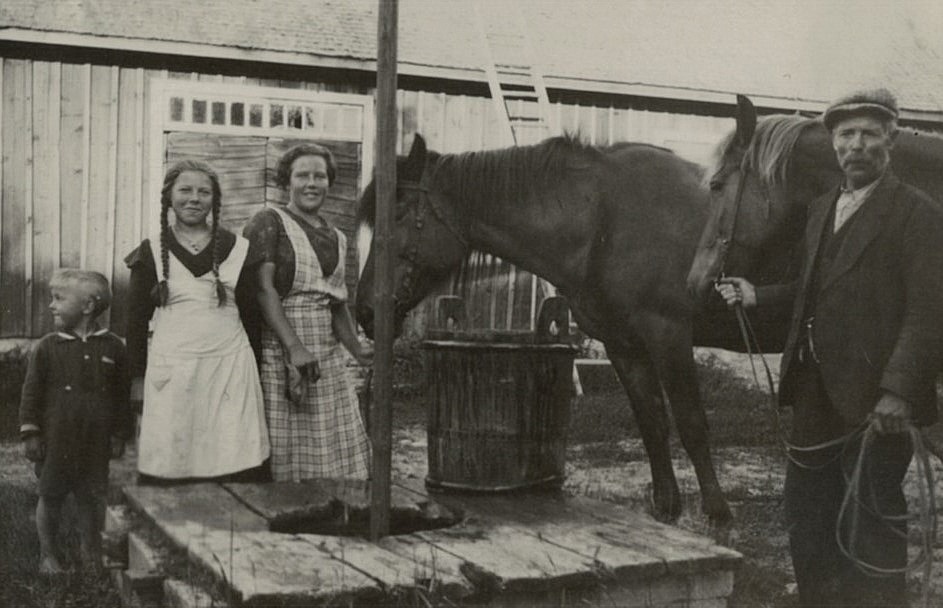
point(203, 414)
point(311, 407)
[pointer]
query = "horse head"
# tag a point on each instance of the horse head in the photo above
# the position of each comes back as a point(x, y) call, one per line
point(428, 237)
point(765, 175)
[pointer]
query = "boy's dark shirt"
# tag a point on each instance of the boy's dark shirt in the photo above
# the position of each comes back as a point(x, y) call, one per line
point(66, 371)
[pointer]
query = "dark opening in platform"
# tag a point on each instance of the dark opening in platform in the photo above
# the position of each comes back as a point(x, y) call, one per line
point(338, 518)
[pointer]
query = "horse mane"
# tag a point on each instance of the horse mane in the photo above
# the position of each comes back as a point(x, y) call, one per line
point(512, 173)
point(770, 149)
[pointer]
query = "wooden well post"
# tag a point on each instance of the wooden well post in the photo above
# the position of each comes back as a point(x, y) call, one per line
point(382, 403)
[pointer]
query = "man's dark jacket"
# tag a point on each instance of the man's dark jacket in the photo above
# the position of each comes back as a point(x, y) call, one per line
point(879, 309)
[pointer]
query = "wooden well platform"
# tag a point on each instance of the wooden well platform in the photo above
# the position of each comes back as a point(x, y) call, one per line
point(539, 549)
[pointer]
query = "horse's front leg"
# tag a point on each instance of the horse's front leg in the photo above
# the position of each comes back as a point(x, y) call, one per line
point(670, 344)
point(635, 371)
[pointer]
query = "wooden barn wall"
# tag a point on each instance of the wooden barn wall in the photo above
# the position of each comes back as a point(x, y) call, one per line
point(74, 177)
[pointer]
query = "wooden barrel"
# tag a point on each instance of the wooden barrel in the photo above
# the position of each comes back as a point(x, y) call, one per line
point(498, 401)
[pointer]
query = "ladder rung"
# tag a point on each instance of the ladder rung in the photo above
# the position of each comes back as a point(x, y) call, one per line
point(527, 121)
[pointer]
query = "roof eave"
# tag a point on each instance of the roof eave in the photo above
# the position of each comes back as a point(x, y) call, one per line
point(407, 68)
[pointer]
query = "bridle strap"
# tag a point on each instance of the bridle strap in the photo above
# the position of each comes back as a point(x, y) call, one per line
point(726, 237)
point(410, 253)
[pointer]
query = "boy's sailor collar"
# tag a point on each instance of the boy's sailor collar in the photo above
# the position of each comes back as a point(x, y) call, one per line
point(64, 335)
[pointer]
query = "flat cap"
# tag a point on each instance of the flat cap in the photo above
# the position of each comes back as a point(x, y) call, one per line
point(877, 102)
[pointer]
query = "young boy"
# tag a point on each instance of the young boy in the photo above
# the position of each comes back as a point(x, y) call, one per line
point(74, 413)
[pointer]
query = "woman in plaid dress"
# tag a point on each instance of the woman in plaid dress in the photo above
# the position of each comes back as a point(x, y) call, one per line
point(311, 407)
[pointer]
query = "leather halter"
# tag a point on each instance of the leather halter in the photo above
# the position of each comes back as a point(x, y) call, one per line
point(411, 251)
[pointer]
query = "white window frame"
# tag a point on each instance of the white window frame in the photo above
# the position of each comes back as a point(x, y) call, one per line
point(163, 89)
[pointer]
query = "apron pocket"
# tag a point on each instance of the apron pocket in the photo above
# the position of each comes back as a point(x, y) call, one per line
point(159, 375)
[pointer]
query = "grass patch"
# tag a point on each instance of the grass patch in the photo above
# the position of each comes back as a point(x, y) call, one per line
point(19, 583)
point(738, 413)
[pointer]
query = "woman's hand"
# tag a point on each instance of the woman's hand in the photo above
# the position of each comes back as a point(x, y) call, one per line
point(364, 354)
point(735, 290)
point(304, 361)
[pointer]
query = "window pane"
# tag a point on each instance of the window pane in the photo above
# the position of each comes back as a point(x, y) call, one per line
point(276, 115)
point(331, 120)
point(237, 113)
point(255, 115)
point(351, 121)
point(294, 117)
point(176, 109)
point(310, 118)
point(219, 113)
point(199, 111)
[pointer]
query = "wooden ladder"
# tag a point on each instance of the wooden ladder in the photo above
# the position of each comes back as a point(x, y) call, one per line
point(515, 79)
point(517, 92)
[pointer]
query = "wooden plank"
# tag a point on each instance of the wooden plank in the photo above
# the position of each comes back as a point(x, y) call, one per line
point(127, 212)
point(16, 93)
point(227, 538)
point(432, 126)
point(435, 571)
point(2, 98)
point(100, 210)
point(140, 126)
point(149, 206)
point(624, 541)
point(45, 179)
point(410, 110)
point(269, 569)
point(474, 123)
point(72, 153)
point(177, 509)
point(510, 559)
point(455, 128)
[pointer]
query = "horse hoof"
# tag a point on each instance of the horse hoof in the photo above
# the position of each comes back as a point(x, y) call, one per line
point(719, 515)
point(666, 513)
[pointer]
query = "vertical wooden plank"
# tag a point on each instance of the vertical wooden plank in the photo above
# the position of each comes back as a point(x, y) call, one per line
point(139, 129)
point(432, 126)
point(1, 169)
point(454, 124)
point(72, 152)
point(410, 121)
point(17, 91)
point(475, 123)
point(45, 180)
point(98, 227)
point(87, 165)
point(112, 192)
point(127, 180)
point(150, 113)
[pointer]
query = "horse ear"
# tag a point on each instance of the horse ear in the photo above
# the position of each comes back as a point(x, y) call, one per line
point(746, 119)
point(416, 161)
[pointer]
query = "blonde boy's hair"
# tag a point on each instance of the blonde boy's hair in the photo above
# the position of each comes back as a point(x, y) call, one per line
point(93, 284)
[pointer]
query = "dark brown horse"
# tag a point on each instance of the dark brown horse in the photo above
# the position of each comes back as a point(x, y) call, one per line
point(763, 181)
point(615, 229)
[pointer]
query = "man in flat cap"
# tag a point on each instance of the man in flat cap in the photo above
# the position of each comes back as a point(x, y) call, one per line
point(864, 349)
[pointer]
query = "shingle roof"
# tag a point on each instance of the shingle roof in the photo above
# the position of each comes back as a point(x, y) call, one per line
point(803, 50)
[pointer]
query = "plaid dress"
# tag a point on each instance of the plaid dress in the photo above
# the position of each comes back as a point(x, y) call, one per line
point(325, 436)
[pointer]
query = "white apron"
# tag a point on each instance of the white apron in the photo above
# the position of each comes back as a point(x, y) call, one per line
point(203, 409)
